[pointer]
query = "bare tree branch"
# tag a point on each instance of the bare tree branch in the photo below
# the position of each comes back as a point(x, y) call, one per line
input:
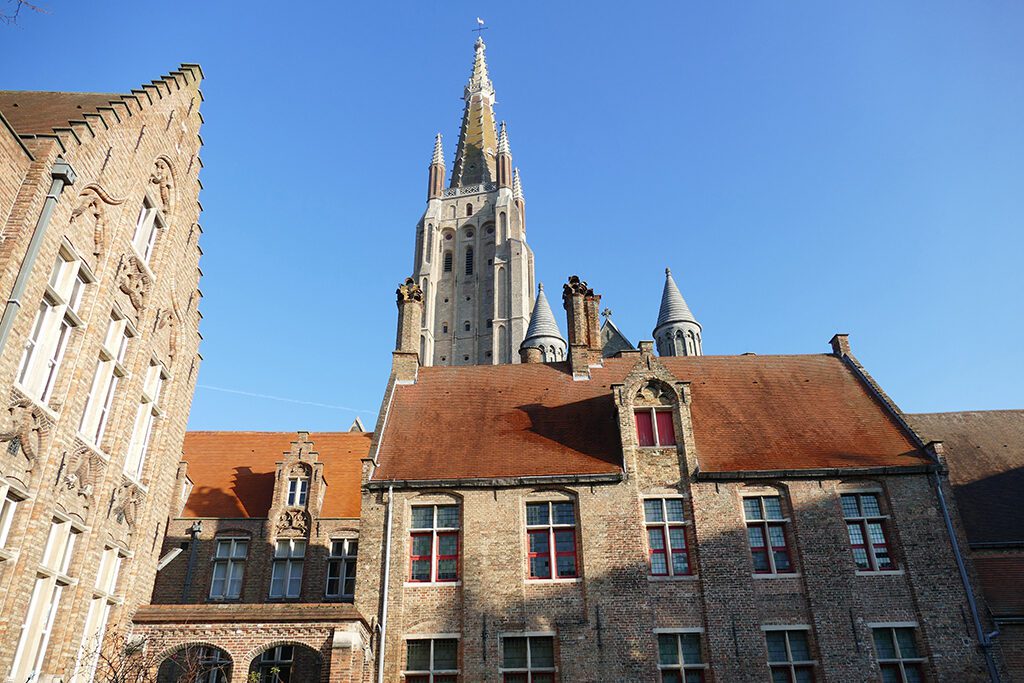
point(10, 16)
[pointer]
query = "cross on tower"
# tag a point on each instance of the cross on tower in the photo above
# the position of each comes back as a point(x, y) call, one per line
point(480, 28)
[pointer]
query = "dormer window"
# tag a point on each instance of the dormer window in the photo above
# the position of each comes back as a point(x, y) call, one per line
point(298, 490)
point(655, 427)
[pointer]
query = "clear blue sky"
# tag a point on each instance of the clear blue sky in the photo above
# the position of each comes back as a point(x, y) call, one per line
point(803, 167)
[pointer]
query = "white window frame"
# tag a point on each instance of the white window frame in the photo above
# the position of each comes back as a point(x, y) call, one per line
point(900, 661)
point(344, 562)
point(287, 567)
point(9, 500)
point(145, 418)
point(149, 221)
point(436, 531)
point(665, 525)
point(298, 492)
point(230, 561)
point(104, 598)
point(110, 370)
point(530, 669)
point(552, 527)
point(764, 523)
point(683, 666)
point(790, 664)
point(54, 323)
point(863, 521)
point(432, 671)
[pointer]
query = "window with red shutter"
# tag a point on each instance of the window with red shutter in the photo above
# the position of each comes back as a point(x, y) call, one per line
point(644, 428)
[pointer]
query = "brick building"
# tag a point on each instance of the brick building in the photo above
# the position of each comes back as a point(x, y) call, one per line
point(98, 353)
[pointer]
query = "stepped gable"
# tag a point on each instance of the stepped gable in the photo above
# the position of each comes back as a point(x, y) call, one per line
point(749, 413)
point(74, 117)
point(233, 472)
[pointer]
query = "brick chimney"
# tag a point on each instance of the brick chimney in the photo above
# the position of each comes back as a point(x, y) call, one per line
point(582, 308)
point(406, 356)
point(840, 344)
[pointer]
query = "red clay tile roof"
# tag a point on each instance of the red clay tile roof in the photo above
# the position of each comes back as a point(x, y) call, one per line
point(749, 413)
point(985, 454)
point(36, 113)
point(233, 472)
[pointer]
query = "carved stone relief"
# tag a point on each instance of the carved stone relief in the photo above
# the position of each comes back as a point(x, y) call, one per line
point(22, 428)
point(133, 280)
point(91, 209)
point(83, 472)
point(163, 183)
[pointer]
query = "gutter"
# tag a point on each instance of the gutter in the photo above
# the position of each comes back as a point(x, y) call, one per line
point(496, 482)
point(384, 594)
point(62, 175)
point(816, 473)
point(984, 639)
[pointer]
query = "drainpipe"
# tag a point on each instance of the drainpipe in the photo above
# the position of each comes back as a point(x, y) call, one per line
point(984, 639)
point(193, 531)
point(62, 175)
point(384, 593)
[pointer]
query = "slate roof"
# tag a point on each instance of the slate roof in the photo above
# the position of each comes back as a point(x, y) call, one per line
point(673, 306)
point(750, 413)
point(233, 472)
point(542, 321)
point(38, 113)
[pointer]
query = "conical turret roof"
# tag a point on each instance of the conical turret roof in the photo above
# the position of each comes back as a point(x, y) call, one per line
point(542, 321)
point(673, 306)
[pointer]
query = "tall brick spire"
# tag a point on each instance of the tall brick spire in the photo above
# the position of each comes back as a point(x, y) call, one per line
point(475, 156)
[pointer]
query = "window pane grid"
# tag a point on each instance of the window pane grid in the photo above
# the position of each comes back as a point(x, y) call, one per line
point(551, 540)
point(432, 660)
point(434, 544)
point(668, 549)
point(286, 572)
point(766, 535)
point(898, 656)
point(680, 657)
point(789, 657)
point(341, 569)
point(529, 659)
point(865, 525)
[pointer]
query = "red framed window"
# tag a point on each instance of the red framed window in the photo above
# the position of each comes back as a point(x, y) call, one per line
point(551, 540)
point(434, 544)
point(655, 427)
point(898, 656)
point(667, 546)
point(766, 534)
point(865, 525)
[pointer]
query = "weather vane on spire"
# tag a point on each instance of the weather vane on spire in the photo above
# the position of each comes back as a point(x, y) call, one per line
point(480, 28)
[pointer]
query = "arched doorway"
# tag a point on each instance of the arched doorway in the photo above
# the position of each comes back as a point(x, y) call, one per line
point(196, 663)
point(286, 663)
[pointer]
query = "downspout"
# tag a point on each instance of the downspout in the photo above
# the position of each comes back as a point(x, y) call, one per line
point(984, 639)
point(384, 593)
point(193, 531)
point(62, 175)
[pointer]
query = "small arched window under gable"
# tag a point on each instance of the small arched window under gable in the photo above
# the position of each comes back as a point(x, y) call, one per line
point(655, 415)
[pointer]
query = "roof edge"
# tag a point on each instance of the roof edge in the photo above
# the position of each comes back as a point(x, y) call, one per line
point(817, 472)
point(496, 482)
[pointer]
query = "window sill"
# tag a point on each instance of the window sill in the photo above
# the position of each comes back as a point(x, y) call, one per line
point(95, 448)
point(8, 555)
point(658, 578)
point(534, 582)
point(658, 448)
point(50, 412)
point(880, 572)
point(792, 575)
point(138, 483)
point(142, 260)
point(428, 584)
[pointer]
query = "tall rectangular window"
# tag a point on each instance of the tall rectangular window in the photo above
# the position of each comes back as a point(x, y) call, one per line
point(865, 525)
point(528, 659)
point(298, 490)
point(551, 539)
point(434, 543)
point(148, 412)
point(898, 656)
point(680, 659)
point(341, 569)
point(51, 579)
point(766, 533)
point(51, 330)
point(145, 230)
point(103, 600)
point(286, 574)
point(432, 660)
point(109, 371)
point(789, 656)
point(8, 507)
point(666, 537)
point(228, 568)
point(655, 427)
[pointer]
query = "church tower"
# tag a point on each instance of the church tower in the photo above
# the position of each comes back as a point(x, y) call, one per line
point(472, 260)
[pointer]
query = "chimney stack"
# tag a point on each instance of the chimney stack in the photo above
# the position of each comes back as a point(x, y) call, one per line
point(406, 356)
point(840, 344)
point(582, 309)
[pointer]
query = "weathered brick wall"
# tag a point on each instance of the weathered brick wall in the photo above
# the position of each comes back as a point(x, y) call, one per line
point(115, 159)
point(14, 164)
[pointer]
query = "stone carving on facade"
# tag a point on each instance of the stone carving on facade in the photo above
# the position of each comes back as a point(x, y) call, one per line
point(133, 280)
point(125, 504)
point(83, 471)
point(292, 521)
point(163, 181)
point(22, 428)
point(654, 393)
point(91, 208)
point(409, 291)
point(169, 319)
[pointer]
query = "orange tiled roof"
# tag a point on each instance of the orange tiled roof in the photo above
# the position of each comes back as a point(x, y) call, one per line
point(233, 472)
point(749, 413)
point(37, 113)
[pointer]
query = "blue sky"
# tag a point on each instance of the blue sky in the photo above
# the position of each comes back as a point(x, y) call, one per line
point(803, 167)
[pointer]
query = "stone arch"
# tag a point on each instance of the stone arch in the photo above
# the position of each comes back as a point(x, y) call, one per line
point(295, 661)
point(501, 292)
point(652, 391)
point(189, 660)
point(503, 351)
point(430, 240)
point(503, 218)
point(469, 208)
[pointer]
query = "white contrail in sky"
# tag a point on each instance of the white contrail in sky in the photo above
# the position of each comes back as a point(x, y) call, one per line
point(281, 398)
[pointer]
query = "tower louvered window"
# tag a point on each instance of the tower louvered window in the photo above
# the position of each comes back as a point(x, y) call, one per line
point(469, 260)
point(447, 261)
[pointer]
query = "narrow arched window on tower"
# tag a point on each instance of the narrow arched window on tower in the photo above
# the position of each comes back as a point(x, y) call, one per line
point(452, 212)
point(447, 261)
point(444, 328)
point(469, 209)
point(504, 226)
point(469, 260)
point(466, 326)
point(430, 240)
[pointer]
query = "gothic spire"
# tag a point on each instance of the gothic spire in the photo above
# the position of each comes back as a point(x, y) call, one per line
point(543, 332)
point(517, 186)
point(677, 332)
point(438, 151)
point(503, 147)
point(475, 155)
